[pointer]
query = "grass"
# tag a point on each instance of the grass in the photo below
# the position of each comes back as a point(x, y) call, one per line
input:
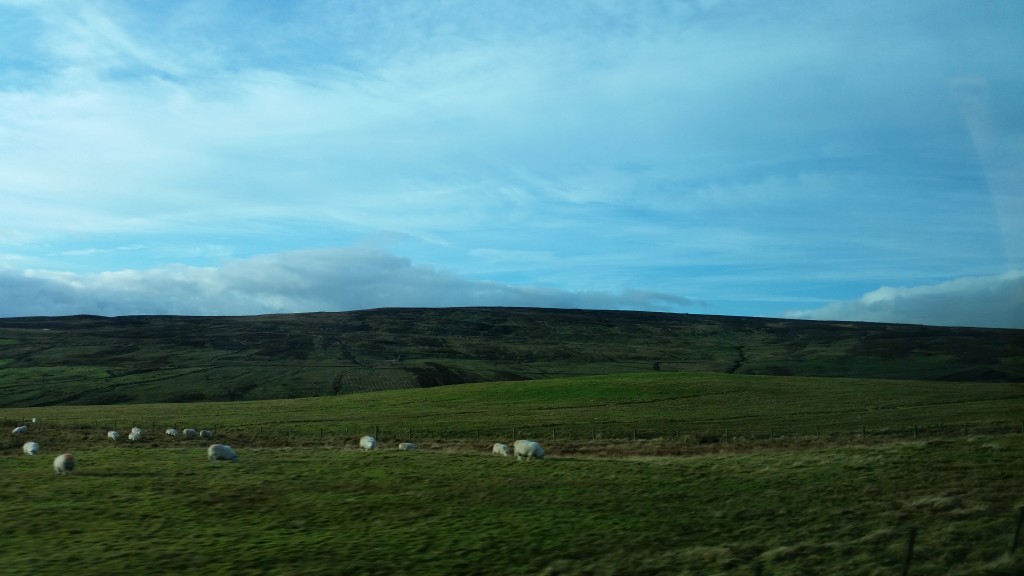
point(645, 405)
point(303, 500)
point(329, 510)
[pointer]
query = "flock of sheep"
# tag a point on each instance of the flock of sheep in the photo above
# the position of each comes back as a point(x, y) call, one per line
point(65, 463)
point(521, 448)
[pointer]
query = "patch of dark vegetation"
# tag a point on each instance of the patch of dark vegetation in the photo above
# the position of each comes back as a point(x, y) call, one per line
point(434, 374)
point(185, 397)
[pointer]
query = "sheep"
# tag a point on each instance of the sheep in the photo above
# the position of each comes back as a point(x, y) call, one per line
point(205, 434)
point(31, 448)
point(501, 449)
point(20, 429)
point(135, 436)
point(367, 443)
point(35, 420)
point(528, 448)
point(64, 463)
point(136, 430)
point(171, 432)
point(190, 433)
point(406, 446)
point(114, 435)
point(221, 452)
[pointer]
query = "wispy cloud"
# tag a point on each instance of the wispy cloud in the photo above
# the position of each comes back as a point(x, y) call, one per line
point(735, 152)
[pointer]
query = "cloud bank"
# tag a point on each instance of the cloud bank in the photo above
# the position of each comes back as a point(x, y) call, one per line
point(300, 281)
point(989, 301)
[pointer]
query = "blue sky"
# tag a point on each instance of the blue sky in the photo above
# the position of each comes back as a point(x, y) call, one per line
point(822, 159)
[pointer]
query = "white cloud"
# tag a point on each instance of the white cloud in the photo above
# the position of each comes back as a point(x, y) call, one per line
point(302, 281)
point(986, 301)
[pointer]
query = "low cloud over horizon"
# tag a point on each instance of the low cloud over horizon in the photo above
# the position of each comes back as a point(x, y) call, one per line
point(300, 281)
point(337, 280)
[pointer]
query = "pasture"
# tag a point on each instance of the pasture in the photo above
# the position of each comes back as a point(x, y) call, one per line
point(813, 497)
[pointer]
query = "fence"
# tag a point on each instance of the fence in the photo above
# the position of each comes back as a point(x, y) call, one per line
point(681, 433)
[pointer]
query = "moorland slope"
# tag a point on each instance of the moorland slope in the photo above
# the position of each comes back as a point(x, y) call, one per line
point(129, 359)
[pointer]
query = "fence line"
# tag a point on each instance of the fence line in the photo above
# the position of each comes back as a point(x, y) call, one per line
point(567, 432)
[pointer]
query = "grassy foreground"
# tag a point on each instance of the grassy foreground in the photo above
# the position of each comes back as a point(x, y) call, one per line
point(681, 499)
point(838, 510)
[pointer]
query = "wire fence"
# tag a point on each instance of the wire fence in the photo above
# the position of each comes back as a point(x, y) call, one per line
point(340, 429)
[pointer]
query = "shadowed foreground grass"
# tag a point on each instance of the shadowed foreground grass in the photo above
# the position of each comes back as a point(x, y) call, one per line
point(325, 510)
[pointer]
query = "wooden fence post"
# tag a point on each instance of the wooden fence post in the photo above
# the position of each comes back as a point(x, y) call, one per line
point(1016, 532)
point(909, 553)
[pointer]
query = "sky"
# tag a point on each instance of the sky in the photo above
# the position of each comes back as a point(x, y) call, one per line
point(821, 159)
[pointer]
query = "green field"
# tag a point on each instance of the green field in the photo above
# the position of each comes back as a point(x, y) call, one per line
point(816, 476)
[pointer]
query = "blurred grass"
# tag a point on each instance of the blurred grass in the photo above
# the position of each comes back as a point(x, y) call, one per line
point(844, 510)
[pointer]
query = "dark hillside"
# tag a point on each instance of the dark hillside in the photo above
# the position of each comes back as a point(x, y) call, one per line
point(101, 360)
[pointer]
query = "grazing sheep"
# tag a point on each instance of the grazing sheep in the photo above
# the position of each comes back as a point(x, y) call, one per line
point(221, 452)
point(20, 430)
point(190, 433)
point(367, 443)
point(171, 432)
point(64, 463)
point(406, 446)
point(135, 436)
point(529, 449)
point(31, 448)
point(35, 420)
point(136, 430)
point(205, 434)
point(501, 449)
point(114, 435)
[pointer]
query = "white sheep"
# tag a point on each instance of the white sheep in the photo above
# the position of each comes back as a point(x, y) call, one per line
point(31, 448)
point(367, 443)
point(205, 434)
point(501, 449)
point(135, 436)
point(114, 435)
point(406, 446)
point(136, 430)
point(35, 420)
point(20, 430)
point(221, 452)
point(64, 463)
point(171, 432)
point(529, 449)
point(190, 433)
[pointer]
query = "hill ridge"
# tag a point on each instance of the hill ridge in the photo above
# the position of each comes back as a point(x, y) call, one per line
point(88, 359)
